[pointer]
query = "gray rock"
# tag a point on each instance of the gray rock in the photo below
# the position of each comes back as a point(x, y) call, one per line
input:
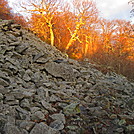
point(18, 95)
point(15, 43)
point(130, 104)
point(42, 128)
point(6, 23)
point(9, 97)
point(60, 70)
point(4, 82)
point(2, 123)
point(58, 125)
point(47, 106)
point(12, 103)
point(36, 57)
point(54, 98)
point(13, 68)
point(130, 128)
point(28, 94)
point(119, 130)
point(38, 116)
point(4, 90)
point(43, 60)
point(48, 84)
point(34, 109)
point(21, 48)
point(36, 77)
point(59, 117)
point(27, 125)
point(16, 26)
point(25, 103)
point(23, 131)
point(1, 96)
point(11, 129)
point(12, 37)
point(41, 93)
point(73, 127)
point(23, 114)
point(72, 109)
point(62, 105)
point(11, 120)
point(26, 77)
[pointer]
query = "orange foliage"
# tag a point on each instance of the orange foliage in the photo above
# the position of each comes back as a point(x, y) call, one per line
point(19, 19)
point(39, 26)
point(6, 13)
point(77, 30)
point(62, 35)
point(4, 10)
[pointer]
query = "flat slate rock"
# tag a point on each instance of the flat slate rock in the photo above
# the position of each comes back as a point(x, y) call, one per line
point(60, 70)
point(42, 128)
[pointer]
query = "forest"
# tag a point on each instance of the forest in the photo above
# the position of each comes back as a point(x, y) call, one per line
point(77, 29)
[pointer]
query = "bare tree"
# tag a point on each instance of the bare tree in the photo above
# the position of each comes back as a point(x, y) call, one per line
point(46, 9)
point(84, 12)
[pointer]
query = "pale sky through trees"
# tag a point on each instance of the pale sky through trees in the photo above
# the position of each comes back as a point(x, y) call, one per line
point(109, 9)
point(114, 9)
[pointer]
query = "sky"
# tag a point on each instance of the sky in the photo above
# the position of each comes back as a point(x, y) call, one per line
point(115, 9)
point(109, 9)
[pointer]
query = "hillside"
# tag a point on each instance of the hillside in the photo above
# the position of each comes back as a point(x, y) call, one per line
point(44, 92)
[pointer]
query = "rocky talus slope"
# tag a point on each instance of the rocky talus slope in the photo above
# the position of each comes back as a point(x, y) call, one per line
point(44, 92)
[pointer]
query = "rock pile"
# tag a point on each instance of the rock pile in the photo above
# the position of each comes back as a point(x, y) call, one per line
point(44, 92)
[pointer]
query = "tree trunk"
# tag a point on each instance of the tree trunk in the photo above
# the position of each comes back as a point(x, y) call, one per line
point(51, 34)
point(73, 38)
point(86, 47)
